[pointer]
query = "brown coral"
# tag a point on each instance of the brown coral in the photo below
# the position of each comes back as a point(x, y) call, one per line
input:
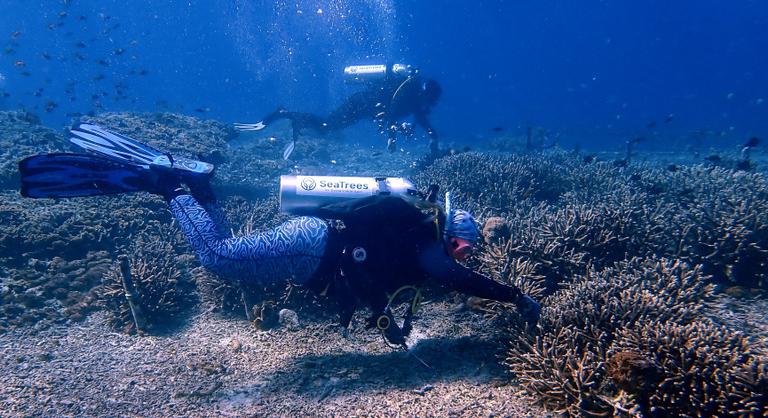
point(495, 230)
point(632, 371)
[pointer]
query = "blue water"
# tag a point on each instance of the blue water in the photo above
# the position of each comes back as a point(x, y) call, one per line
point(596, 72)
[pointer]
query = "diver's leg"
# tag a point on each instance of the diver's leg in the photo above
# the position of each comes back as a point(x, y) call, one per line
point(292, 250)
point(307, 121)
point(357, 107)
point(433, 146)
point(277, 114)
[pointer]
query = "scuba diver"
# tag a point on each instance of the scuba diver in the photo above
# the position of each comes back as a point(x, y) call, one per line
point(394, 238)
point(392, 93)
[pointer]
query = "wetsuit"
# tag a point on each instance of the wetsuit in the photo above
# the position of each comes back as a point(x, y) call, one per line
point(403, 246)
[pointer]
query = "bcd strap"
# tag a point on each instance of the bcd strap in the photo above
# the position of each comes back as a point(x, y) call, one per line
point(383, 322)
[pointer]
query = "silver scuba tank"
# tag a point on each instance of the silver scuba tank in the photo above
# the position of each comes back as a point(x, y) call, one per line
point(302, 194)
point(356, 74)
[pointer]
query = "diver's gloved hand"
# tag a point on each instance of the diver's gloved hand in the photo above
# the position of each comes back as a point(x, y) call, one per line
point(529, 309)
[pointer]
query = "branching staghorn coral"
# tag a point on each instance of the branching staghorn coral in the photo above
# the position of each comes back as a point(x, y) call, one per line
point(157, 284)
point(496, 182)
point(564, 361)
point(705, 370)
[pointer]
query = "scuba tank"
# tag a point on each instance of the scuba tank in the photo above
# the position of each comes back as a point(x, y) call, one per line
point(357, 74)
point(302, 194)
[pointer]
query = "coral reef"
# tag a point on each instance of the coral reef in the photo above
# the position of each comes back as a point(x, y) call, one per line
point(150, 290)
point(704, 370)
point(177, 134)
point(594, 318)
point(22, 135)
point(626, 257)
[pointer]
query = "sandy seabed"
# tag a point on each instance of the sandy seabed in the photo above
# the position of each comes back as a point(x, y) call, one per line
point(219, 366)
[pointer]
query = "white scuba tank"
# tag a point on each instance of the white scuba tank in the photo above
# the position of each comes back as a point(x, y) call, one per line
point(356, 74)
point(302, 194)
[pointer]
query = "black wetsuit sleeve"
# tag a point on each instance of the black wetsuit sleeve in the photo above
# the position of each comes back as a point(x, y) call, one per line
point(452, 275)
point(421, 119)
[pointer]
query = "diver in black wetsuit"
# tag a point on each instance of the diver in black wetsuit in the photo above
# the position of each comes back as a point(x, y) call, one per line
point(386, 101)
point(388, 245)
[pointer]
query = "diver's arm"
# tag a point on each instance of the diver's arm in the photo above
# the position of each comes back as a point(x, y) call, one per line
point(447, 272)
point(421, 119)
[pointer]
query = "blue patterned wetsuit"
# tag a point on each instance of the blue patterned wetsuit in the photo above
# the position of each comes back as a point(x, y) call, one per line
point(292, 250)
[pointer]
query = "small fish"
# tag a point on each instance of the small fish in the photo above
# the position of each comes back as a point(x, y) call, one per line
point(673, 168)
point(80, 44)
point(753, 142)
point(713, 158)
point(376, 153)
point(16, 35)
point(52, 26)
point(50, 105)
point(82, 18)
point(102, 62)
point(46, 56)
point(651, 124)
point(118, 51)
point(38, 92)
point(26, 73)
point(498, 129)
point(62, 14)
point(98, 77)
point(5, 94)
point(79, 56)
point(203, 109)
point(289, 150)
point(8, 51)
point(20, 64)
point(589, 158)
point(636, 140)
point(670, 117)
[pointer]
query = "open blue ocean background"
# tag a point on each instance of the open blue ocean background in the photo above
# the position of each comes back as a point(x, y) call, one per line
point(594, 72)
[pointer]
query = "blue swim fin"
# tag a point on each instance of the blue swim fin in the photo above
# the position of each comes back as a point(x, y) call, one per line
point(75, 175)
point(119, 147)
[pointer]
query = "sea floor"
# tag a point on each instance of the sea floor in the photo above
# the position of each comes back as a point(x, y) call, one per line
point(219, 366)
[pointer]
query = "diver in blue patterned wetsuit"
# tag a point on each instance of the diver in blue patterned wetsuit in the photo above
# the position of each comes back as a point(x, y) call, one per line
point(404, 246)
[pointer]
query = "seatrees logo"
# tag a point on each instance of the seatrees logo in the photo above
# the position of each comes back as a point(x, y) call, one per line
point(308, 183)
point(343, 185)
